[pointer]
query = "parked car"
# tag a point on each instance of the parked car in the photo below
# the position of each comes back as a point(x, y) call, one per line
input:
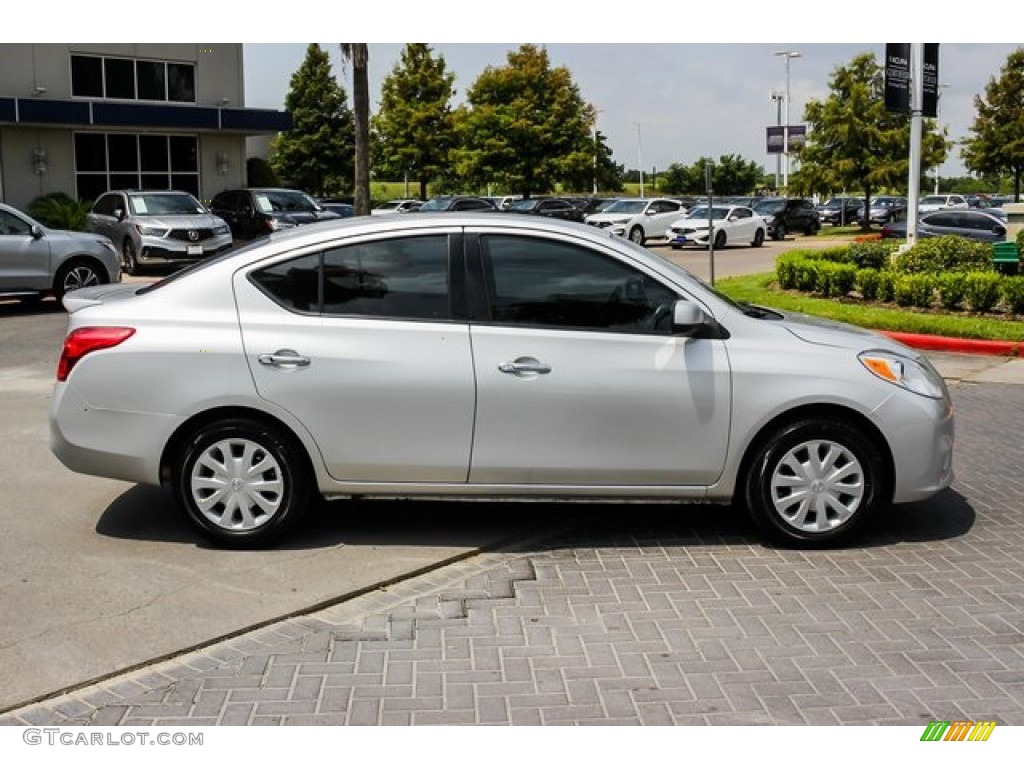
point(972, 224)
point(785, 215)
point(884, 208)
point(158, 228)
point(939, 202)
point(638, 218)
point(552, 207)
point(570, 364)
point(732, 224)
point(255, 212)
point(37, 261)
point(450, 203)
point(502, 202)
point(344, 210)
point(840, 211)
point(405, 205)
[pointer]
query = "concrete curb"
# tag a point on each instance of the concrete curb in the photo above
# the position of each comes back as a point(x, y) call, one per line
point(952, 344)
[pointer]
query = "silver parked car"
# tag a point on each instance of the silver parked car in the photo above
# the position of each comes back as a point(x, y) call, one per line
point(494, 356)
point(36, 261)
point(158, 227)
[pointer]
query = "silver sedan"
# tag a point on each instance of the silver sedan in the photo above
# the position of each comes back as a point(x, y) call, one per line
point(470, 354)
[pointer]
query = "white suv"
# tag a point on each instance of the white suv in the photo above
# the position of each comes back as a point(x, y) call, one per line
point(941, 202)
point(639, 219)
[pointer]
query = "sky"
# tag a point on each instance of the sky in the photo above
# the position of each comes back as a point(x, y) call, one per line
point(663, 103)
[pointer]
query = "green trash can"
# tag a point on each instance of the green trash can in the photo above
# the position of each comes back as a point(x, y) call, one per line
point(1006, 258)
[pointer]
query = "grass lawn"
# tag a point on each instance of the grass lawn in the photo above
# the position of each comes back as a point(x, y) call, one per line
point(762, 289)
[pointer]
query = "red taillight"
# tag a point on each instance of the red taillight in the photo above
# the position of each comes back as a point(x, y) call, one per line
point(82, 341)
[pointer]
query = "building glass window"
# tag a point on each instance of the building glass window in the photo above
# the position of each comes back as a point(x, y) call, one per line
point(106, 161)
point(99, 77)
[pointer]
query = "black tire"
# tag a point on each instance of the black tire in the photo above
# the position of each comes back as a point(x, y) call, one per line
point(720, 239)
point(758, 240)
point(77, 274)
point(780, 232)
point(812, 229)
point(840, 496)
point(270, 483)
point(636, 234)
point(129, 257)
point(675, 247)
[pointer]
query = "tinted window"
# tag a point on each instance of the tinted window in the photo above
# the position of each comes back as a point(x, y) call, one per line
point(549, 283)
point(181, 82)
point(87, 76)
point(120, 78)
point(401, 279)
point(150, 77)
point(13, 225)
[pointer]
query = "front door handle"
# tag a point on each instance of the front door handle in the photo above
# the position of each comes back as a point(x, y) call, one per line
point(524, 365)
point(284, 358)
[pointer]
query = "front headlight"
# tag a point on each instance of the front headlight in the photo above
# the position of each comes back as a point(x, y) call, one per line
point(151, 231)
point(221, 229)
point(918, 376)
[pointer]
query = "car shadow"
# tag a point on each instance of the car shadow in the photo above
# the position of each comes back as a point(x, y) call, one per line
point(150, 514)
point(18, 308)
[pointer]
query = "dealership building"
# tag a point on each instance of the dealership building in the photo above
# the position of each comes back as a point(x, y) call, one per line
point(82, 119)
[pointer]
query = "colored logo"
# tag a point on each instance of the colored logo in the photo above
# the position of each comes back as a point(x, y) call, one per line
point(958, 730)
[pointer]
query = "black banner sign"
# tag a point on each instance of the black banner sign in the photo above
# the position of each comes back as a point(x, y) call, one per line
point(930, 105)
point(897, 77)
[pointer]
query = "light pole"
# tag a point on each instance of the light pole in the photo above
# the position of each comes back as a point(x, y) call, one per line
point(640, 159)
point(597, 147)
point(778, 97)
point(788, 56)
point(938, 110)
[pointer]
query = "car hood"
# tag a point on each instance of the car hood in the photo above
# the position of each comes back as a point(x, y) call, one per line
point(184, 221)
point(832, 333)
point(610, 217)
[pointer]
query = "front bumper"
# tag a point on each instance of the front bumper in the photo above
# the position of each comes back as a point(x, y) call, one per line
point(164, 250)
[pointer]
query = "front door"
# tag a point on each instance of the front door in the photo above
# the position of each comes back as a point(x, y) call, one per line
point(579, 380)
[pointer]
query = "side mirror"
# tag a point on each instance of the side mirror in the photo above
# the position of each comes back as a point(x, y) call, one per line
point(999, 229)
point(119, 214)
point(687, 318)
point(36, 231)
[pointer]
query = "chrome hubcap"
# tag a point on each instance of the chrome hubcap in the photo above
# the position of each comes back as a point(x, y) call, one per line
point(237, 485)
point(817, 486)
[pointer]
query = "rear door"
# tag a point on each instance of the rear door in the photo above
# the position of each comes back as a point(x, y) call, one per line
point(361, 342)
point(24, 259)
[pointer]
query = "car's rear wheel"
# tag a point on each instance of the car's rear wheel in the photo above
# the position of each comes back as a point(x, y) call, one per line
point(780, 232)
point(241, 483)
point(74, 275)
point(636, 234)
point(130, 257)
point(812, 229)
point(814, 482)
point(758, 240)
point(720, 239)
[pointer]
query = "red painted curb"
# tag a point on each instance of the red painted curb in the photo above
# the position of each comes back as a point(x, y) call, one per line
point(951, 344)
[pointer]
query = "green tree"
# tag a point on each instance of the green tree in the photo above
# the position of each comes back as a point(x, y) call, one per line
point(730, 175)
point(996, 145)
point(414, 129)
point(259, 173)
point(853, 143)
point(524, 126)
point(317, 153)
point(602, 175)
point(359, 55)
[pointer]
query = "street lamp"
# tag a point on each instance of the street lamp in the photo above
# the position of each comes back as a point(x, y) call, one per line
point(597, 147)
point(640, 159)
point(788, 56)
point(938, 108)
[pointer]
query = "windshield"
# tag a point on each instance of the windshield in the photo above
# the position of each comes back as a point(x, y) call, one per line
point(523, 205)
point(932, 200)
point(626, 206)
point(436, 204)
point(702, 213)
point(164, 204)
point(770, 206)
point(270, 200)
point(391, 206)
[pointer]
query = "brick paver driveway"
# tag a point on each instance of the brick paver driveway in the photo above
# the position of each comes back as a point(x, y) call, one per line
point(640, 614)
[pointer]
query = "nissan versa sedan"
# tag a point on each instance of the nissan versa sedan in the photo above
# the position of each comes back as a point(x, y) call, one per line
point(490, 356)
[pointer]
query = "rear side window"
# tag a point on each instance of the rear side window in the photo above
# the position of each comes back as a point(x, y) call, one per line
point(402, 279)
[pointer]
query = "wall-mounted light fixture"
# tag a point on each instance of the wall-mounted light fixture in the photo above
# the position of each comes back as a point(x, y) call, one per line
point(38, 90)
point(225, 101)
point(223, 164)
point(39, 161)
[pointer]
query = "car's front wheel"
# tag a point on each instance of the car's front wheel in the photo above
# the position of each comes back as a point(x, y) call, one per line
point(74, 275)
point(758, 240)
point(242, 484)
point(636, 234)
point(130, 257)
point(779, 233)
point(814, 482)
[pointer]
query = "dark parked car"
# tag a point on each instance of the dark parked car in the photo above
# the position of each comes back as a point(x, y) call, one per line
point(784, 215)
point(840, 211)
point(884, 208)
point(457, 203)
point(256, 212)
point(975, 225)
point(553, 207)
point(342, 209)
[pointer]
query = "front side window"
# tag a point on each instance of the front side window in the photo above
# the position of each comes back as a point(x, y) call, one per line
point(13, 225)
point(549, 283)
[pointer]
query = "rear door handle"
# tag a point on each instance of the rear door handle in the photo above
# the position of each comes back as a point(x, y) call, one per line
point(524, 365)
point(284, 358)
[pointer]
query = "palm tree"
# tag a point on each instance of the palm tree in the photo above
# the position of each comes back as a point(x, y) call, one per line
point(359, 55)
